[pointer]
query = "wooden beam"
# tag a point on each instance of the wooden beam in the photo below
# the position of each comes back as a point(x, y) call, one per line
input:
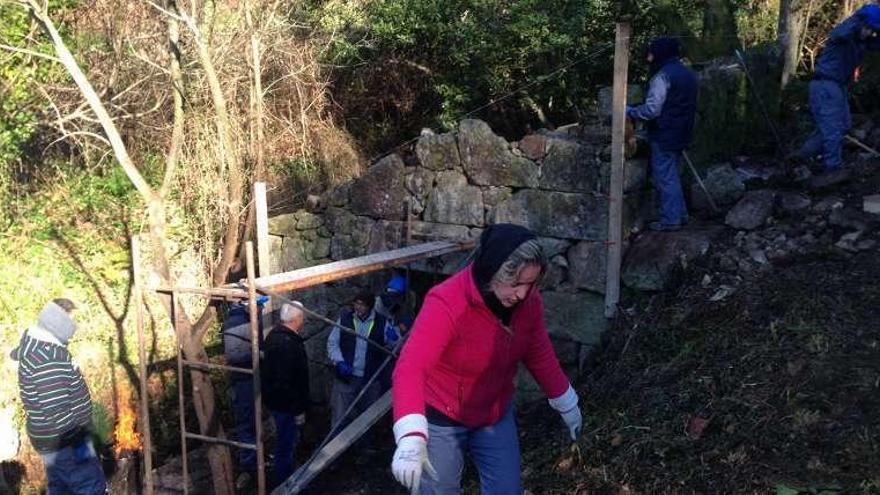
point(298, 480)
point(328, 272)
point(138, 301)
point(261, 216)
point(615, 191)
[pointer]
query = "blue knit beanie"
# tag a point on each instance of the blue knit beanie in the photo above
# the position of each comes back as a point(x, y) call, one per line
point(870, 15)
point(664, 49)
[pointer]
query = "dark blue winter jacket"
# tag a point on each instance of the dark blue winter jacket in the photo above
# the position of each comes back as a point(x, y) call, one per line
point(670, 106)
point(843, 51)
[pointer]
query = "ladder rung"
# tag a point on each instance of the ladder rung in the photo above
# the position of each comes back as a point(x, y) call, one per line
point(200, 364)
point(231, 443)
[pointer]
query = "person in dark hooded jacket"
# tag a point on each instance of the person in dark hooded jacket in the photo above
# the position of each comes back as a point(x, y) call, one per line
point(57, 403)
point(669, 111)
point(454, 382)
point(835, 68)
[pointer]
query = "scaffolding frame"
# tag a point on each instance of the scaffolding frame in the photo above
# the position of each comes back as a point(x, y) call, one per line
point(272, 285)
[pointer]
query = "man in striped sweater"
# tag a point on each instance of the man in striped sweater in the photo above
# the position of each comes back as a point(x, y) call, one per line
point(57, 403)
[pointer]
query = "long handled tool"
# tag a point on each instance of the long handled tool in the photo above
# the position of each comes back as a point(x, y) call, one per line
point(862, 145)
point(693, 169)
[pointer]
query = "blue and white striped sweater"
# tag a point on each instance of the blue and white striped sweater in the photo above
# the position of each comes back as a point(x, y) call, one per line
point(54, 394)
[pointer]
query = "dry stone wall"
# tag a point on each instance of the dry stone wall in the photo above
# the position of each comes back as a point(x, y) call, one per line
point(454, 185)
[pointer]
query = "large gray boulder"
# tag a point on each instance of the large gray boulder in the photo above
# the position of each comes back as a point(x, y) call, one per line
point(419, 182)
point(752, 210)
point(380, 192)
point(587, 265)
point(438, 151)
point(487, 158)
point(653, 256)
point(454, 201)
point(725, 185)
point(351, 233)
point(579, 316)
point(569, 166)
point(559, 214)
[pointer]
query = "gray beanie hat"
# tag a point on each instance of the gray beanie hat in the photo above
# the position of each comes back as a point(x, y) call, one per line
point(57, 321)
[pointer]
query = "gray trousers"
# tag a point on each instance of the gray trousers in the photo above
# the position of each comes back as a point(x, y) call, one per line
point(344, 393)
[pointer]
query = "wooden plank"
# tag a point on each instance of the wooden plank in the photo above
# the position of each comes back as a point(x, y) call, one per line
point(261, 216)
point(138, 301)
point(328, 272)
point(216, 366)
point(618, 138)
point(217, 292)
point(254, 312)
point(299, 479)
point(222, 441)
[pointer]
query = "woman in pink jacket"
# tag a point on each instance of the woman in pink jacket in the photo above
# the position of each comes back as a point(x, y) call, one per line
point(454, 382)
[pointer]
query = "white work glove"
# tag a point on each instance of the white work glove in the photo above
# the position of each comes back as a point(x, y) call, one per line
point(300, 419)
point(567, 406)
point(411, 457)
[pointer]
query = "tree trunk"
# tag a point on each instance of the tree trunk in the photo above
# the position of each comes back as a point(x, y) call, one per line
point(791, 25)
point(719, 30)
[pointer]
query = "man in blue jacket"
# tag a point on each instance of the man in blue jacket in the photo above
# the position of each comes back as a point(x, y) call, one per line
point(835, 67)
point(669, 111)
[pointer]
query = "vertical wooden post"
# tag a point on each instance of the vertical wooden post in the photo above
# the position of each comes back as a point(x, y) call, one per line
point(138, 299)
point(180, 403)
point(261, 217)
point(255, 361)
point(615, 191)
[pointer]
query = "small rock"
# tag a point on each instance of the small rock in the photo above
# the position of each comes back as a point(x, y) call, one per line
point(830, 179)
point(751, 211)
point(759, 256)
point(792, 202)
point(871, 204)
point(847, 241)
point(847, 218)
point(802, 173)
point(722, 293)
point(707, 281)
point(866, 244)
point(828, 204)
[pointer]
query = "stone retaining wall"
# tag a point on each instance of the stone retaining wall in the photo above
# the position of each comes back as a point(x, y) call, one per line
point(457, 183)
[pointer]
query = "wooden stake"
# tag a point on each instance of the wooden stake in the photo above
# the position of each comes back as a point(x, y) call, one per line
point(262, 219)
point(137, 297)
point(255, 365)
point(615, 191)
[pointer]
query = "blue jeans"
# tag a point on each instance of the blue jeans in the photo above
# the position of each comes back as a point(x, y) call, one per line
point(664, 173)
point(74, 470)
point(245, 428)
point(287, 434)
point(830, 106)
point(494, 449)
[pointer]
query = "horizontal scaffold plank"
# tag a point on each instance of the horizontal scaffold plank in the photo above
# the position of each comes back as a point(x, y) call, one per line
point(328, 272)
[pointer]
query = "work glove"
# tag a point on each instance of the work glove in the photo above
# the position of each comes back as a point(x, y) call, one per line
point(300, 419)
point(410, 460)
point(567, 406)
point(391, 336)
point(344, 369)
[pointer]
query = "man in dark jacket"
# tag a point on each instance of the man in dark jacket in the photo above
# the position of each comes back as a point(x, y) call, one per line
point(57, 403)
point(669, 111)
point(356, 360)
point(837, 63)
point(285, 386)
